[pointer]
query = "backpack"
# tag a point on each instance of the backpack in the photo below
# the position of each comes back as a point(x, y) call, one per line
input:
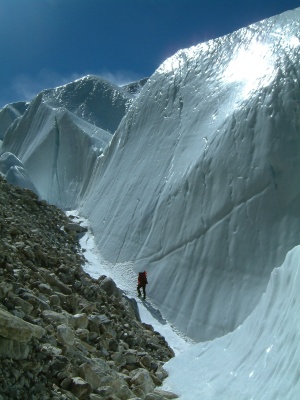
point(143, 278)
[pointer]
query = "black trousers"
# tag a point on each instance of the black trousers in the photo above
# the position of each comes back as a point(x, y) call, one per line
point(144, 290)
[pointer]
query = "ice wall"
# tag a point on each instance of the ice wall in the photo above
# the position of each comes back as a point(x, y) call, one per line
point(93, 99)
point(15, 173)
point(259, 360)
point(200, 183)
point(62, 134)
point(9, 114)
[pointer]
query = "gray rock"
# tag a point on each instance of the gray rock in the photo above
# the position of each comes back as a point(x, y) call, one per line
point(35, 301)
point(94, 346)
point(91, 374)
point(124, 393)
point(22, 304)
point(16, 329)
point(131, 356)
point(131, 306)
point(141, 379)
point(93, 396)
point(53, 281)
point(5, 287)
point(54, 300)
point(119, 358)
point(58, 318)
point(65, 335)
point(109, 286)
point(51, 351)
point(81, 321)
point(13, 349)
point(153, 396)
point(74, 227)
point(165, 394)
point(82, 334)
point(79, 387)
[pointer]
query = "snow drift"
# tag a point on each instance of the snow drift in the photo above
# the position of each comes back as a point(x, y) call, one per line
point(199, 183)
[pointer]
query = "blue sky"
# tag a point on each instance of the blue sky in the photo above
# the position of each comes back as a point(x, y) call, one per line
point(46, 43)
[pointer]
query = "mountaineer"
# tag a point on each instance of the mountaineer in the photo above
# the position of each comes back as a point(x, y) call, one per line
point(142, 282)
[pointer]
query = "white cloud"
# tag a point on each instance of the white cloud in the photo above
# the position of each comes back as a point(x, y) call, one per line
point(120, 78)
point(25, 86)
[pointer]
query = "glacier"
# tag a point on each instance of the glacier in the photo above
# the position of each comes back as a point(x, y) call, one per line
point(199, 183)
point(195, 179)
point(259, 360)
point(64, 131)
point(10, 113)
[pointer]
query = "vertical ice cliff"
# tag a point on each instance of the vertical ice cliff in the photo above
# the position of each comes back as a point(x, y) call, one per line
point(200, 183)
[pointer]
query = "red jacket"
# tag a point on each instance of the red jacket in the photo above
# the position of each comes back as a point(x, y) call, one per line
point(142, 278)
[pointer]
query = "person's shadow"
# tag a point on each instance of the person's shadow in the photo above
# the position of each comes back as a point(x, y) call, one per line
point(154, 312)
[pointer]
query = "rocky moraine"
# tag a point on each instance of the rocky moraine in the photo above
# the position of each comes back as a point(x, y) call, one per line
point(63, 334)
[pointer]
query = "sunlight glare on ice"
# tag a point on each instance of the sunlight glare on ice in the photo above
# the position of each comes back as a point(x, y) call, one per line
point(252, 66)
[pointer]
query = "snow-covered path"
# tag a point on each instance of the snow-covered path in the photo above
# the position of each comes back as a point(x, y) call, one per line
point(126, 278)
point(258, 361)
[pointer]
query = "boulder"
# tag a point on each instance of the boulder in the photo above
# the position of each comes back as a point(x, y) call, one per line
point(81, 321)
point(94, 372)
point(141, 379)
point(65, 335)
point(5, 287)
point(35, 301)
point(74, 227)
point(131, 306)
point(79, 387)
point(91, 375)
point(165, 394)
point(53, 281)
point(22, 304)
point(13, 349)
point(14, 328)
point(109, 286)
point(57, 318)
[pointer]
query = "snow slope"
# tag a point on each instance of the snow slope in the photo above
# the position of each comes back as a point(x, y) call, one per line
point(200, 183)
point(259, 360)
point(126, 279)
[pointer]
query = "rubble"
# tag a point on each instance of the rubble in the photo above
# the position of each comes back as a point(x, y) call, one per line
point(63, 334)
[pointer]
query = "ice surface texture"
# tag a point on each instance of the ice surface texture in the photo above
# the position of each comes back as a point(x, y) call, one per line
point(260, 360)
point(10, 113)
point(63, 133)
point(199, 184)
